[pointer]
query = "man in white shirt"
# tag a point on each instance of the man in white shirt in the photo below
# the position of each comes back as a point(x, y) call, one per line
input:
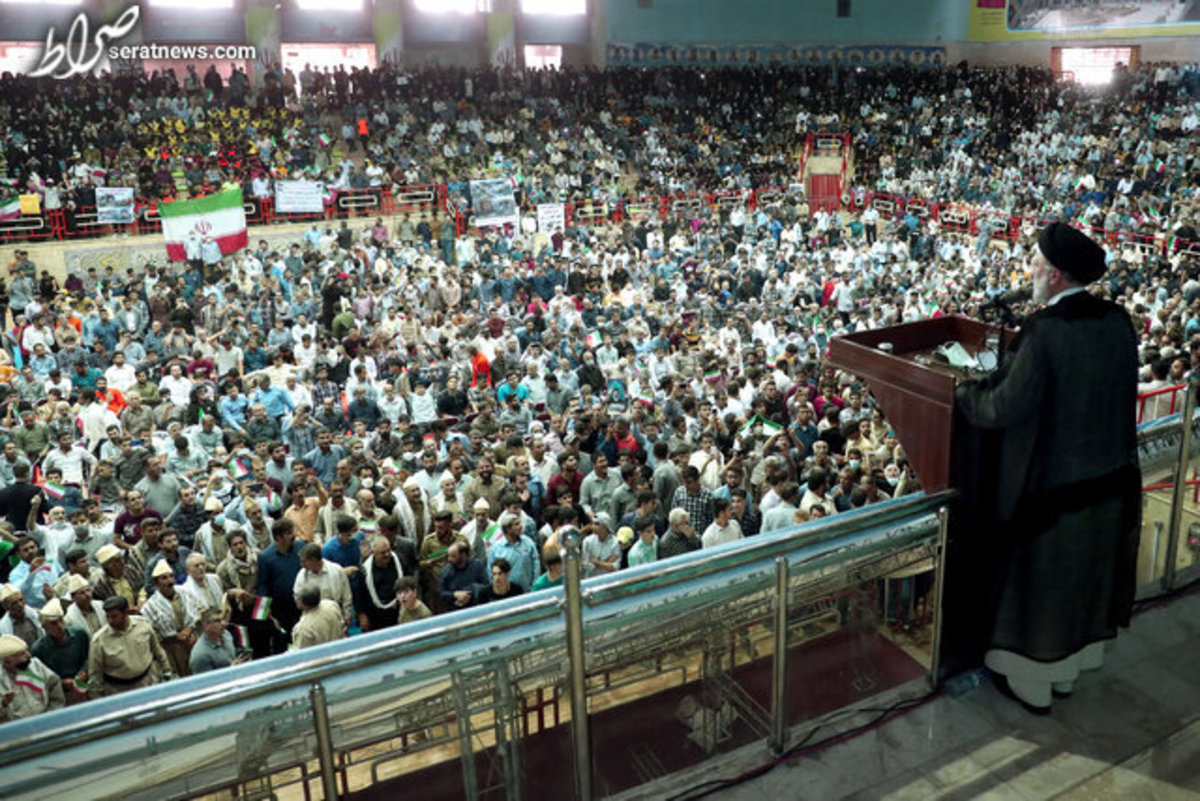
point(723, 528)
point(69, 458)
point(329, 577)
point(121, 376)
point(177, 385)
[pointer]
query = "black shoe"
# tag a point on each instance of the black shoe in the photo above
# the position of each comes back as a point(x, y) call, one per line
point(1001, 682)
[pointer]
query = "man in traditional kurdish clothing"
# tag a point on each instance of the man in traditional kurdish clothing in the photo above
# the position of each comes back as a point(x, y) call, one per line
point(173, 618)
point(125, 654)
point(27, 686)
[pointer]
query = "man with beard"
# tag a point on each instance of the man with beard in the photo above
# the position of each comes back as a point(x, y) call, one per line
point(375, 599)
point(1067, 512)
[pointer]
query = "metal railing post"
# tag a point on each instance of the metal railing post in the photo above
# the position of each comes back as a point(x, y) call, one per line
point(572, 560)
point(779, 662)
point(939, 584)
point(320, 713)
point(1177, 496)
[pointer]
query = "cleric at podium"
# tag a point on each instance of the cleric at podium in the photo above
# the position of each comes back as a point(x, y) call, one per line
point(1067, 512)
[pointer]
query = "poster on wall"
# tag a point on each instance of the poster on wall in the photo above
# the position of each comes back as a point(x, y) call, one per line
point(651, 55)
point(299, 197)
point(1017, 20)
point(551, 217)
point(493, 203)
point(114, 205)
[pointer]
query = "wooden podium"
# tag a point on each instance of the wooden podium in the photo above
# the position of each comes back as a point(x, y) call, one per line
point(917, 399)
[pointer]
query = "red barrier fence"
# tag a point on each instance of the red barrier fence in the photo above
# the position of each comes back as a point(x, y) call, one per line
point(62, 224)
point(1159, 404)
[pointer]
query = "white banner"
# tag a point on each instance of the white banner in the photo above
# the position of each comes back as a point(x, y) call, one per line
point(551, 217)
point(114, 204)
point(300, 197)
point(493, 203)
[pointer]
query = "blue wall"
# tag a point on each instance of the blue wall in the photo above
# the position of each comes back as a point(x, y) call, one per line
point(785, 21)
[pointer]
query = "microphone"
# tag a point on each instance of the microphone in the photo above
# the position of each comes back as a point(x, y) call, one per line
point(1013, 296)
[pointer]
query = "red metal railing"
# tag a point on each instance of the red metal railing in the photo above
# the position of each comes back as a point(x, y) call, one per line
point(1156, 396)
point(60, 224)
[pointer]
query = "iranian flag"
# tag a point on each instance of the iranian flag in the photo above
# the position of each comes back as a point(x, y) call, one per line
point(220, 217)
point(10, 205)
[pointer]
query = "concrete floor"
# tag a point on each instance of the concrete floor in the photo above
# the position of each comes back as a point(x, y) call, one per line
point(1131, 731)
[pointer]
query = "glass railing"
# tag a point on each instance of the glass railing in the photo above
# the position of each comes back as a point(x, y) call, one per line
point(680, 665)
point(683, 660)
point(1169, 552)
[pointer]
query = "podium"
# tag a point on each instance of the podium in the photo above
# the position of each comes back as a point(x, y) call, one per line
point(916, 396)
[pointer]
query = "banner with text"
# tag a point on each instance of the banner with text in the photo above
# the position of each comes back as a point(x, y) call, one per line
point(652, 55)
point(551, 217)
point(299, 197)
point(114, 205)
point(493, 203)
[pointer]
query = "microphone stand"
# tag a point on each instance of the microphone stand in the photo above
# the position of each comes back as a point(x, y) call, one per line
point(999, 308)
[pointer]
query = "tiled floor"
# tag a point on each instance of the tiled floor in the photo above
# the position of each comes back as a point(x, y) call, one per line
point(1131, 731)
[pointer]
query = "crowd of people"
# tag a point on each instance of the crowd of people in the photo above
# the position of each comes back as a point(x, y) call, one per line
point(215, 461)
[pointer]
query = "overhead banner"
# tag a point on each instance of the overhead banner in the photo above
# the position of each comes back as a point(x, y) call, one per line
point(114, 205)
point(1017, 20)
point(299, 197)
point(502, 39)
point(551, 217)
point(493, 203)
point(651, 55)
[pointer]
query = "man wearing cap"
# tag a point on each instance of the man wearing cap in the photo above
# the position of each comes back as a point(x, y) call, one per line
point(125, 654)
point(114, 581)
point(1067, 512)
point(84, 612)
point(173, 618)
point(27, 686)
point(63, 649)
point(19, 618)
point(481, 530)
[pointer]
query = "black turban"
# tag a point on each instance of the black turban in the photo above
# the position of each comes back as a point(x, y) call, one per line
point(1072, 251)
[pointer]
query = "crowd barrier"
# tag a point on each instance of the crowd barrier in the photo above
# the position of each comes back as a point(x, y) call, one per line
point(1158, 397)
point(65, 224)
point(968, 219)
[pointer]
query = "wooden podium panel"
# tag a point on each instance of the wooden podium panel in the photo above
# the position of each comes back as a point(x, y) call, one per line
point(917, 399)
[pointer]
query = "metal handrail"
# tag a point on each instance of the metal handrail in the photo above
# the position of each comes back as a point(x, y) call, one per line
point(755, 549)
point(281, 675)
point(34, 737)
